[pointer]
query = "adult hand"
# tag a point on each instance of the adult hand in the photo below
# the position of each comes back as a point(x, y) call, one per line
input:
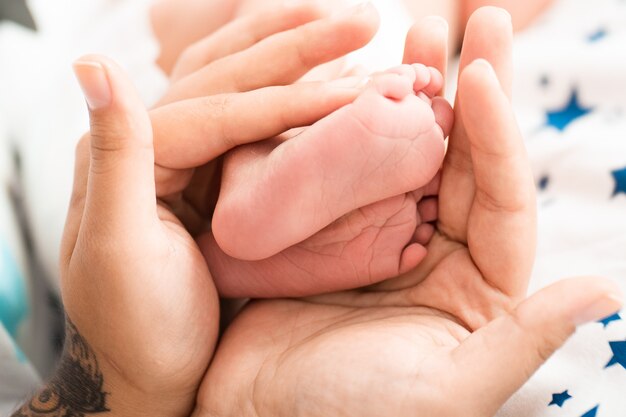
point(204, 113)
point(455, 337)
point(142, 309)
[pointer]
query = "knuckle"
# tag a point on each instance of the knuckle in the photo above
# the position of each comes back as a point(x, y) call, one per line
point(512, 204)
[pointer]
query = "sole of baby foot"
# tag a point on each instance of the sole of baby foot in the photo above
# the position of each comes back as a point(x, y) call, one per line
point(366, 246)
point(385, 144)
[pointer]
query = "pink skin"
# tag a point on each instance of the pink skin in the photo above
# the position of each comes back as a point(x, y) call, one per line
point(344, 204)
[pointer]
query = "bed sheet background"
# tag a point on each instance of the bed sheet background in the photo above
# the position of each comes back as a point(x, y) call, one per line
point(570, 99)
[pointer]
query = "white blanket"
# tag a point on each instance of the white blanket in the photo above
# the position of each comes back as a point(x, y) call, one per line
point(570, 98)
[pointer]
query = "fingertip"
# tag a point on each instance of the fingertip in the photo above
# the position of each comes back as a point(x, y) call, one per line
point(436, 26)
point(605, 299)
point(106, 85)
point(427, 43)
point(476, 83)
point(575, 300)
point(364, 18)
point(489, 35)
point(436, 23)
point(478, 69)
point(93, 78)
point(492, 15)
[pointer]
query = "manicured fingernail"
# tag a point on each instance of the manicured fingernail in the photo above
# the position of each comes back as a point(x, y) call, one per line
point(94, 82)
point(350, 82)
point(599, 309)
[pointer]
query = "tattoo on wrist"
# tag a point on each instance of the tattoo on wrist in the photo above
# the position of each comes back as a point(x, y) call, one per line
point(76, 390)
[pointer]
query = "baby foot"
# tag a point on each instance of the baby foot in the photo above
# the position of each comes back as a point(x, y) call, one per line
point(380, 241)
point(385, 144)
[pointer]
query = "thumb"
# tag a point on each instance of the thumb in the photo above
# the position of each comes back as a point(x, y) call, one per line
point(120, 189)
point(498, 359)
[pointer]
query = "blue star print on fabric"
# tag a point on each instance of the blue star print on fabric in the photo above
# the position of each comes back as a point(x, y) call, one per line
point(597, 35)
point(562, 118)
point(619, 354)
point(559, 399)
point(591, 413)
point(620, 181)
point(608, 320)
point(543, 182)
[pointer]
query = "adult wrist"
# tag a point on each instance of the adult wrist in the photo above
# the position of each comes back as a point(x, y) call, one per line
point(85, 383)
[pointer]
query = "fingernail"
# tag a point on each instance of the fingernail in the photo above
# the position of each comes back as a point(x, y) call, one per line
point(437, 21)
point(350, 82)
point(94, 82)
point(487, 65)
point(358, 8)
point(599, 309)
point(504, 13)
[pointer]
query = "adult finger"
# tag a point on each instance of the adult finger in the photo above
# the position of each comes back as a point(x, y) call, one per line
point(120, 188)
point(282, 58)
point(489, 36)
point(191, 133)
point(427, 43)
point(522, 341)
point(77, 200)
point(505, 191)
point(243, 33)
point(522, 16)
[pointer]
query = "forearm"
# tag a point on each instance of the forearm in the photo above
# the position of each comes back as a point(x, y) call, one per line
point(84, 384)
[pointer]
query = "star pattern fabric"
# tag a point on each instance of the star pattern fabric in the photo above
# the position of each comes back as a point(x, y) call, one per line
point(607, 321)
point(561, 118)
point(570, 100)
point(591, 413)
point(620, 181)
point(619, 354)
point(559, 399)
point(598, 35)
